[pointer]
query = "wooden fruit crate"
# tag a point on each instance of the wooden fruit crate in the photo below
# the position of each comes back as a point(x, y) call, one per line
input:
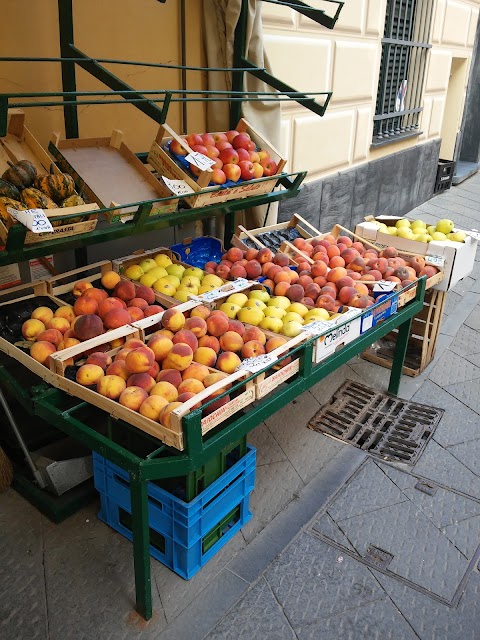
point(110, 174)
point(422, 341)
point(242, 235)
point(160, 158)
point(20, 144)
point(61, 286)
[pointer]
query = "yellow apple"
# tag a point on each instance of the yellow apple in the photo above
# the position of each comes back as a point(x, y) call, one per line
point(254, 302)
point(274, 312)
point(292, 329)
point(403, 222)
point(134, 272)
point(279, 301)
point(272, 324)
point(438, 235)
point(173, 281)
point(230, 309)
point(259, 294)
point(405, 232)
point(182, 295)
point(159, 272)
point(175, 270)
point(298, 307)
point(431, 229)
point(292, 317)
point(148, 279)
point(211, 278)
point(316, 314)
point(206, 287)
point(251, 315)
point(445, 226)
point(239, 299)
point(423, 237)
point(147, 264)
point(419, 224)
point(195, 272)
point(192, 289)
point(164, 286)
point(457, 236)
point(190, 281)
point(392, 231)
point(163, 260)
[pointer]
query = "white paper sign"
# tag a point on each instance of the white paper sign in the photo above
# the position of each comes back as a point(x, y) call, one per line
point(199, 160)
point(33, 219)
point(317, 327)
point(257, 364)
point(226, 289)
point(436, 261)
point(177, 187)
point(383, 286)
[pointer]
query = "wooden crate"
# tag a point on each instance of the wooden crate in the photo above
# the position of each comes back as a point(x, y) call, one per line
point(61, 286)
point(110, 174)
point(20, 144)
point(422, 341)
point(304, 228)
point(160, 158)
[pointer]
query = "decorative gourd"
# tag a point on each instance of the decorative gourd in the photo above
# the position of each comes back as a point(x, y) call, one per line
point(9, 190)
point(13, 204)
point(73, 201)
point(21, 175)
point(57, 186)
point(35, 199)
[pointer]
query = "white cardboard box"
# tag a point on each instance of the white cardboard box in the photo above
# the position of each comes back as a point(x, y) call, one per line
point(459, 256)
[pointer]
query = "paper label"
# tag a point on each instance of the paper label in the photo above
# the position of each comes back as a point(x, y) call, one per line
point(33, 219)
point(9, 276)
point(37, 269)
point(258, 363)
point(436, 261)
point(178, 187)
point(226, 289)
point(199, 160)
point(383, 286)
point(317, 327)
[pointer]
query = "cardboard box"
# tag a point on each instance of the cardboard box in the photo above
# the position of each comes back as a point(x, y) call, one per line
point(459, 256)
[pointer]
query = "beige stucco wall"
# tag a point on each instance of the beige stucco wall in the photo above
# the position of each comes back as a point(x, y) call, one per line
point(144, 30)
point(346, 61)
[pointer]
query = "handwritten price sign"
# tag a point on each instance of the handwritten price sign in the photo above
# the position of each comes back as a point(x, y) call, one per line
point(200, 161)
point(33, 219)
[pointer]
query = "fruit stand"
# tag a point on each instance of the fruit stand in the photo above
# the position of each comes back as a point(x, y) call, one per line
point(77, 377)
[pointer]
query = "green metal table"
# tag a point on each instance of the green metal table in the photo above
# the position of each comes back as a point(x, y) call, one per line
point(74, 418)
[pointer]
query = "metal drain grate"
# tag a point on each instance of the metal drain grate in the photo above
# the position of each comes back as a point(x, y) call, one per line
point(382, 424)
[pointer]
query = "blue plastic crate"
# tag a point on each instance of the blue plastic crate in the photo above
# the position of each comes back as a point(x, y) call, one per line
point(199, 251)
point(183, 535)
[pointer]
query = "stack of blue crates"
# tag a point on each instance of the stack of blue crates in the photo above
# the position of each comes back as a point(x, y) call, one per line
point(183, 535)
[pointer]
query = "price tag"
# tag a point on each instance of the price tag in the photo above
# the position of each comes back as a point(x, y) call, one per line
point(257, 364)
point(230, 287)
point(199, 160)
point(178, 187)
point(383, 286)
point(367, 322)
point(317, 327)
point(436, 261)
point(33, 219)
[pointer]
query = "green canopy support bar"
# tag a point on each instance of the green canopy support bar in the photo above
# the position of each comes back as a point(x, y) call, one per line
point(69, 83)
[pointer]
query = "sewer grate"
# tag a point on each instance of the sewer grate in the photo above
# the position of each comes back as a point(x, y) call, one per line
point(377, 422)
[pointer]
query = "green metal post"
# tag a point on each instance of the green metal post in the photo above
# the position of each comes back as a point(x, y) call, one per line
point(399, 356)
point(238, 56)
point(65, 19)
point(141, 546)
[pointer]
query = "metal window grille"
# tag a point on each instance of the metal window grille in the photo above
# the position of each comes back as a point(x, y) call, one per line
point(402, 69)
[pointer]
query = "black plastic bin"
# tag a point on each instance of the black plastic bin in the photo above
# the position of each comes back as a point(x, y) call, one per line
point(445, 171)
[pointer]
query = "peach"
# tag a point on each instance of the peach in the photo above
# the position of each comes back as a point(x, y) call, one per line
point(390, 252)
point(51, 335)
point(67, 342)
point(89, 374)
point(358, 246)
point(217, 324)
point(254, 333)
point(269, 285)
point(80, 287)
point(272, 271)
point(122, 354)
point(304, 281)
point(281, 276)
point(335, 274)
point(135, 314)
point(140, 360)
point(65, 312)
point(101, 359)
point(85, 305)
point(96, 294)
point(264, 255)
point(251, 349)
point(42, 350)
point(253, 269)
point(118, 369)
point(212, 378)
point(165, 390)
point(234, 254)
point(380, 264)
point(124, 290)
point(210, 342)
point(164, 332)
point(251, 254)
point(428, 271)
point(154, 370)
point(110, 279)
point(180, 357)
point(196, 371)
point(403, 273)
point(237, 271)
point(236, 326)
point(313, 290)
point(170, 375)
point(206, 356)
point(187, 395)
point(152, 310)
point(116, 318)
point(118, 342)
point(133, 343)
point(361, 288)
point(295, 293)
point(192, 385)
point(228, 361)
point(108, 305)
point(358, 264)
point(281, 288)
point(143, 380)
point(165, 415)
point(336, 261)
point(111, 386)
point(133, 397)
point(231, 341)
point(281, 259)
point(161, 346)
point(346, 293)
point(332, 251)
point(152, 407)
point(186, 337)
point(145, 293)
point(44, 314)
point(344, 282)
point(344, 240)
point(196, 325)
point(359, 301)
point(173, 320)
point(61, 324)
point(274, 343)
point(376, 274)
point(137, 302)
point(329, 291)
point(325, 302)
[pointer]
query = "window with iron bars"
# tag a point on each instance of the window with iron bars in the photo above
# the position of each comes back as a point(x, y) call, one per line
point(404, 55)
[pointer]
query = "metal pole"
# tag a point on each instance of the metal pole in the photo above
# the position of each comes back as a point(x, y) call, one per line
point(65, 23)
point(141, 546)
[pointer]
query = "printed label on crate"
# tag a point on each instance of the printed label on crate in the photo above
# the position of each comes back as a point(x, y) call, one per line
point(317, 327)
point(345, 333)
point(38, 270)
point(274, 380)
point(9, 276)
point(382, 311)
point(226, 289)
point(383, 286)
point(33, 219)
point(177, 187)
point(222, 413)
point(436, 261)
point(258, 363)
point(199, 160)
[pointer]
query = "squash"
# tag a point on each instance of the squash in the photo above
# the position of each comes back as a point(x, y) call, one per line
point(13, 204)
point(9, 190)
point(21, 175)
point(73, 201)
point(35, 199)
point(56, 186)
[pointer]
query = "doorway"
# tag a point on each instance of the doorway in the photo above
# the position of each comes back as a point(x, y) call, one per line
point(452, 117)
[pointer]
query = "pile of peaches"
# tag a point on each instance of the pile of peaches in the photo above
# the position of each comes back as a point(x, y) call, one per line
point(234, 153)
point(184, 357)
point(93, 313)
point(328, 272)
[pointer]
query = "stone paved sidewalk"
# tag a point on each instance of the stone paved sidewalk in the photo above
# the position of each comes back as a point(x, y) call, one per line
point(297, 569)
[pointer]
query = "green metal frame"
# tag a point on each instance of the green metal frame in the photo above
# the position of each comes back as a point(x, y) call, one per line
point(198, 450)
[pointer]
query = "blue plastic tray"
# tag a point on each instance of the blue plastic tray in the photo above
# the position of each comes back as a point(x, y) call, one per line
point(199, 251)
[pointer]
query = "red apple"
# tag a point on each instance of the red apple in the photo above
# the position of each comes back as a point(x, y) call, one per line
point(269, 166)
point(200, 148)
point(229, 156)
point(231, 135)
point(220, 137)
point(208, 139)
point(218, 176)
point(223, 145)
point(243, 154)
point(193, 138)
point(254, 157)
point(218, 164)
point(241, 141)
point(246, 168)
point(257, 170)
point(212, 152)
point(176, 147)
point(232, 171)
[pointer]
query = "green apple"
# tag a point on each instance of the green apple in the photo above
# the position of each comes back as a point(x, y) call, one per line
point(272, 324)
point(438, 235)
point(423, 237)
point(316, 314)
point(392, 231)
point(419, 224)
point(174, 270)
point(279, 301)
point(195, 272)
point(230, 309)
point(431, 229)
point(147, 264)
point(239, 299)
point(148, 279)
point(403, 222)
point(292, 317)
point(292, 329)
point(458, 236)
point(405, 232)
point(274, 312)
point(445, 226)
point(259, 294)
